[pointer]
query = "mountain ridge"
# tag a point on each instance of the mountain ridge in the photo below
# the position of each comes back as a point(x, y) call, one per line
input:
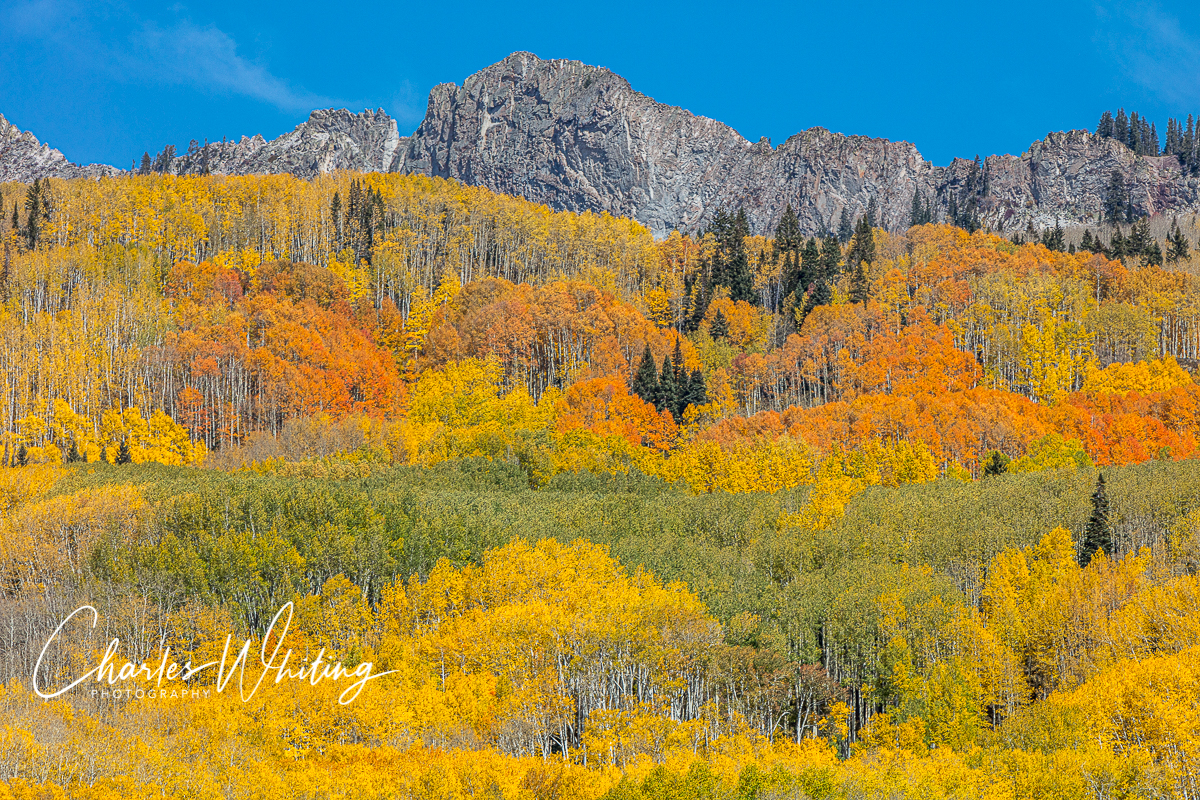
point(579, 137)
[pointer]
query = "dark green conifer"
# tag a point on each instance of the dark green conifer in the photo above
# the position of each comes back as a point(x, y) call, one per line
point(1177, 245)
point(73, 455)
point(22, 456)
point(996, 463)
point(831, 260)
point(123, 454)
point(697, 392)
point(845, 226)
point(668, 390)
point(718, 329)
point(1116, 198)
point(1098, 533)
point(645, 380)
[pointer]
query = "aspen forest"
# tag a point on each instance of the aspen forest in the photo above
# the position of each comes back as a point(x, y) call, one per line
point(875, 514)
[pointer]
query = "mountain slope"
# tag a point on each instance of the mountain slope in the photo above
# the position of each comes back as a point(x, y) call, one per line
point(23, 158)
point(579, 137)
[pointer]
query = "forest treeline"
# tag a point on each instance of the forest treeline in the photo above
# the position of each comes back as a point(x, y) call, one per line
point(234, 305)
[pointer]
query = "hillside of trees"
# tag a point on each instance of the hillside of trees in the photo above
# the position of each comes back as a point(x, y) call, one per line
point(726, 516)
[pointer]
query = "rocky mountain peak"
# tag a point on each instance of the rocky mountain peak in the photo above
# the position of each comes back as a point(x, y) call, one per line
point(23, 158)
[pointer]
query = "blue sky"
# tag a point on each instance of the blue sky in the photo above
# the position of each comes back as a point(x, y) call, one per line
point(106, 80)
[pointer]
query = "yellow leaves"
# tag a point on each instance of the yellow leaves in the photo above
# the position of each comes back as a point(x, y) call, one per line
point(1052, 451)
point(158, 440)
point(706, 466)
point(1053, 354)
point(1144, 377)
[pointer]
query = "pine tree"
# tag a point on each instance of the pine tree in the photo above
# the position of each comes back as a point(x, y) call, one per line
point(22, 456)
point(645, 380)
point(697, 391)
point(872, 213)
point(147, 164)
point(860, 286)
point(918, 212)
point(1087, 242)
point(1115, 198)
point(1054, 239)
point(668, 391)
point(73, 455)
point(1105, 128)
point(1116, 246)
point(831, 260)
point(730, 267)
point(845, 226)
point(1139, 241)
point(680, 400)
point(33, 209)
point(1121, 127)
point(996, 463)
point(16, 220)
point(1098, 533)
point(1152, 255)
point(1177, 245)
point(123, 455)
point(810, 265)
point(787, 233)
point(718, 329)
point(863, 246)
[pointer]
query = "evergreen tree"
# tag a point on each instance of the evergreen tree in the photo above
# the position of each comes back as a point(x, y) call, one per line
point(33, 213)
point(1116, 198)
point(697, 391)
point(860, 286)
point(1105, 128)
point(810, 266)
point(22, 456)
point(668, 390)
point(645, 380)
point(787, 233)
point(831, 260)
point(73, 455)
point(335, 217)
point(680, 400)
point(1116, 246)
point(123, 455)
point(16, 220)
point(845, 226)
point(1177, 245)
point(917, 214)
point(1121, 127)
point(872, 213)
point(731, 267)
point(863, 246)
point(1087, 242)
point(1152, 255)
point(1098, 533)
point(1139, 241)
point(1054, 239)
point(147, 164)
point(996, 463)
point(718, 329)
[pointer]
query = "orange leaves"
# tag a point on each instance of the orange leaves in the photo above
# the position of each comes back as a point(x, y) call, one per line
point(605, 406)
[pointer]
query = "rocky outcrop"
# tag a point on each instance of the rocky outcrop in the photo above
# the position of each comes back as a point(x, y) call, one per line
point(23, 158)
point(331, 139)
point(579, 137)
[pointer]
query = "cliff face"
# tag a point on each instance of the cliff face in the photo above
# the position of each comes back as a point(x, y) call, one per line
point(331, 139)
point(579, 137)
point(23, 158)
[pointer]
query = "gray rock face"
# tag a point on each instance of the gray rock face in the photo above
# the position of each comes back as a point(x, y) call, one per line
point(578, 137)
point(331, 139)
point(23, 158)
